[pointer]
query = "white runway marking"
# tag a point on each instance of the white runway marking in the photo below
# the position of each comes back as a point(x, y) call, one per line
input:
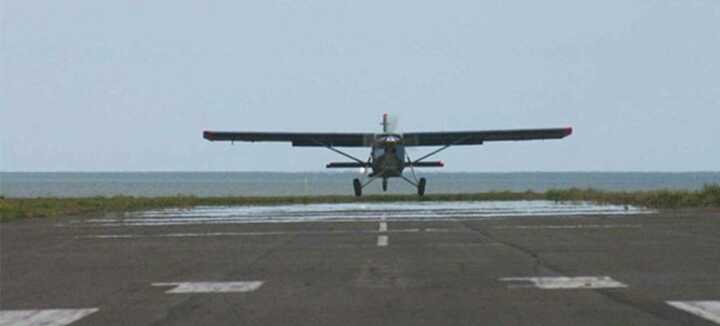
point(51, 317)
point(211, 287)
point(709, 310)
point(180, 235)
point(237, 234)
point(557, 283)
point(382, 241)
point(441, 230)
point(382, 228)
point(403, 231)
point(353, 212)
point(571, 226)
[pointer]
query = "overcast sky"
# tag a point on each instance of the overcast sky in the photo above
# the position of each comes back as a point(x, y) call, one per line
point(130, 85)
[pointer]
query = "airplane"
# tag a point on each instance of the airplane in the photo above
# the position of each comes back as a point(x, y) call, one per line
point(388, 157)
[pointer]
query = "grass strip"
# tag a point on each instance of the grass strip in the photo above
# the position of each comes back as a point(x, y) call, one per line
point(18, 208)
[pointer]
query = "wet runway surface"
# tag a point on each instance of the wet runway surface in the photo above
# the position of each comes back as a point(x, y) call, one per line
point(531, 263)
point(410, 211)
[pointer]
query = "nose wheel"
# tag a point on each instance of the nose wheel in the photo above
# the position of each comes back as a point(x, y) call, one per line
point(357, 186)
point(421, 187)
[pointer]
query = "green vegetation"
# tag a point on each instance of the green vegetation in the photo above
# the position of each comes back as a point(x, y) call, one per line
point(709, 196)
point(13, 208)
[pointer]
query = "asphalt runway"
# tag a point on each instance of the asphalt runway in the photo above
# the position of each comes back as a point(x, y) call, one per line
point(660, 268)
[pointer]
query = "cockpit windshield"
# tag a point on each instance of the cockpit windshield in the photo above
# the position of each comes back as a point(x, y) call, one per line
point(388, 139)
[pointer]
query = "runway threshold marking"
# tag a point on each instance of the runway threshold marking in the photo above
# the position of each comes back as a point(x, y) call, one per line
point(49, 317)
point(709, 310)
point(383, 227)
point(565, 283)
point(211, 287)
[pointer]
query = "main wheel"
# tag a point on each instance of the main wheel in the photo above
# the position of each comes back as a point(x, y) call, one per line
point(421, 186)
point(358, 187)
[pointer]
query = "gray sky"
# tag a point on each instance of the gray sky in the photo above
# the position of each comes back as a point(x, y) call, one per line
point(130, 85)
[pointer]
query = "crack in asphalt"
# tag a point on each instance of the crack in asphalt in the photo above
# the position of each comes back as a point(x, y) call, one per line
point(651, 306)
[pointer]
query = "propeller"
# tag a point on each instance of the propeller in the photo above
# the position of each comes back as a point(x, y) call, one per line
point(393, 121)
point(389, 123)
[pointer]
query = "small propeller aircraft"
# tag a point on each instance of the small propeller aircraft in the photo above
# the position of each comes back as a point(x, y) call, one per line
point(388, 157)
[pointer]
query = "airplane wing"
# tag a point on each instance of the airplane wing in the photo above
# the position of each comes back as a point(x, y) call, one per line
point(296, 138)
point(479, 137)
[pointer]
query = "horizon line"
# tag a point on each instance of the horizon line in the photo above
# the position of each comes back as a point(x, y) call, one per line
point(352, 171)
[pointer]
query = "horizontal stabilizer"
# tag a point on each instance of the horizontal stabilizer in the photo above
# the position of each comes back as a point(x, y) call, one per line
point(429, 164)
point(347, 165)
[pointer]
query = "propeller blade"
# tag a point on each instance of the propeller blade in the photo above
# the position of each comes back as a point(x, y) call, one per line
point(393, 123)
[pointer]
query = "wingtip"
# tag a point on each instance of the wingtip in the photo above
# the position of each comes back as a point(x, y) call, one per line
point(207, 135)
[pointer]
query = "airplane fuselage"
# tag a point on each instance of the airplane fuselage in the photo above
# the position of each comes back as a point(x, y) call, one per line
point(388, 156)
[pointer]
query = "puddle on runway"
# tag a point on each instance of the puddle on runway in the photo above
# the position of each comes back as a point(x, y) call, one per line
point(411, 211)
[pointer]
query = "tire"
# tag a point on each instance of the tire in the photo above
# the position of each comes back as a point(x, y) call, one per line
point(421, 187)
point(357, 186)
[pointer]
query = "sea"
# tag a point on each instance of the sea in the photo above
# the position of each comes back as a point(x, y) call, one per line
point(90, 184)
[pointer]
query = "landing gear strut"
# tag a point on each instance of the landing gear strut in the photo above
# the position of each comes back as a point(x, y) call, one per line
point(358, 185)
point(419, 184)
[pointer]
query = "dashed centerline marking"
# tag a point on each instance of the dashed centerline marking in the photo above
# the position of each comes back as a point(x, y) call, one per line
point(383, 227)
point(709, 310)
point(382, 241)
point(564, 283)
point(211, 287)
point(49, 317)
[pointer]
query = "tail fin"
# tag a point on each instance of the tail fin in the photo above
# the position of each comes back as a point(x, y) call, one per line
point(385, 123)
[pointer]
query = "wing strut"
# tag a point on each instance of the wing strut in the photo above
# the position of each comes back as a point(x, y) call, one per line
point(346, 154)
point(435, 152)
point(340, 152)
